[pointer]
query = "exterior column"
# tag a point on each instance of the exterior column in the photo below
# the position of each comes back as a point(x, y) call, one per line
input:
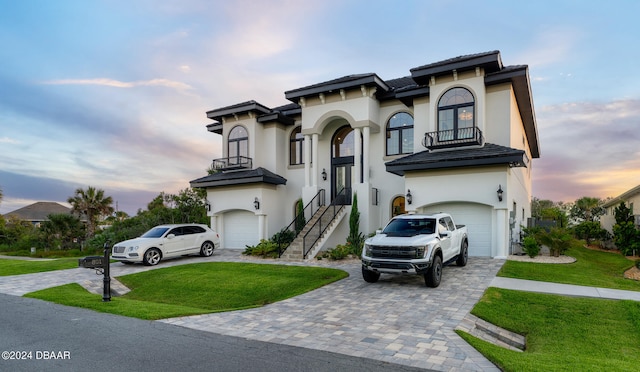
point(314, 158)
point(261, 226)
point(502, 234)
point(357, 155)
point(365, 155)
point(307, 159)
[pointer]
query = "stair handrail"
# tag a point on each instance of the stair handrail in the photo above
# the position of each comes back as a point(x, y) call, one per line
point(334, 208)
point(312, 207)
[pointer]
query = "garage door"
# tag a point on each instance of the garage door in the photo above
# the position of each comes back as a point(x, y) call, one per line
point(240, 229)
point(477, 218)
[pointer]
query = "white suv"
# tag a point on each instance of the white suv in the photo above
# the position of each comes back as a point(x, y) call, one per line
point(166, 241)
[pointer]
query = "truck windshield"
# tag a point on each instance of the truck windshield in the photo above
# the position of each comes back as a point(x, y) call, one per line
point(410, 227)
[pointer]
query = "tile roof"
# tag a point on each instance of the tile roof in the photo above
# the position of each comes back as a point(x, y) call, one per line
point(239, 177)
point(39, 211)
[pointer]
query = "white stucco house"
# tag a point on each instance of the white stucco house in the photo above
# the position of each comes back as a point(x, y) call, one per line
point(630, 198)
point(455, 136)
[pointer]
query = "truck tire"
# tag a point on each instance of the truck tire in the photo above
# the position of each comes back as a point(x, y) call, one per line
point(464, 254)
point(433, 276)
point(370, 276)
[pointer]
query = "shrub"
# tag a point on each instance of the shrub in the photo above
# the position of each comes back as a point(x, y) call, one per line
point(265, 248)
point(530, 246)
point(590, 230)
point(557, 239)
point(283, 237)
point(340, 252)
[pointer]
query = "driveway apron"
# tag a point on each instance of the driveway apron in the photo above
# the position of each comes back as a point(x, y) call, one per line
point(396, 320)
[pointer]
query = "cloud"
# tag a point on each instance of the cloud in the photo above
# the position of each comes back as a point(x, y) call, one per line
point(121, 84)
point(588, 149)
point(9, 140)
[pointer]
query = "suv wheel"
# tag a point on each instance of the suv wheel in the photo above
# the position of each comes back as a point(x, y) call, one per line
point(151, 257)
point(207, 249)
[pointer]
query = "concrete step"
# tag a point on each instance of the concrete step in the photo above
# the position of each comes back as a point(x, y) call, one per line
point(486, 331)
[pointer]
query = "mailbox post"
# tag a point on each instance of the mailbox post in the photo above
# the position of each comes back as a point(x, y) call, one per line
point(102, 266)
point(106, 290)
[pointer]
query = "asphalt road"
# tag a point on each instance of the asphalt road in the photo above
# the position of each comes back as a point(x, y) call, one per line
point(36, 336)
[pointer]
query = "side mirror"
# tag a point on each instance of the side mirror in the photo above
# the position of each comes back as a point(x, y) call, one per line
point(171, 236)
point(379, 231)
point(445, 234)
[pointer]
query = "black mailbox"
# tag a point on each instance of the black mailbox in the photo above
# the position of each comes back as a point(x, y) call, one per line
point(91, 262)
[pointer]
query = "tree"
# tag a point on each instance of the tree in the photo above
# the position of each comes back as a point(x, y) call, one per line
point(587, 209)
point(355, 238)
point(62, 230)
point(300, 219)
point(92, 204)
point(625, 234)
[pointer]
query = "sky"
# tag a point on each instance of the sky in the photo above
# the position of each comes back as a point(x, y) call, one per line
point(113, 93)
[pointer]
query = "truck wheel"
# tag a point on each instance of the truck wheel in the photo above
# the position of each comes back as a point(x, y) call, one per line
point(370, 276)
point(434, 274)
point(464, 254)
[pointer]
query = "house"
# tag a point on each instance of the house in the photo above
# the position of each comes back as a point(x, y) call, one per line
point(456, 136)
point(629, 198)
point(38, 212)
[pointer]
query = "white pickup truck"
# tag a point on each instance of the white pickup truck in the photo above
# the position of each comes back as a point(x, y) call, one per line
point(415, 244)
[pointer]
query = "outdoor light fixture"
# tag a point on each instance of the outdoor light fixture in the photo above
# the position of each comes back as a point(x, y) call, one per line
point(207, 205)
point(256, 203)
point(324, 174)
point(409, 197)
point(500, 192)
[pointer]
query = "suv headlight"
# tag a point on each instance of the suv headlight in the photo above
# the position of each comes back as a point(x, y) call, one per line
point(132, 249)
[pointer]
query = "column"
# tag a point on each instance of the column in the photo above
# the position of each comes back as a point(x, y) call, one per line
point(307, 159)
point(314, 158)
point(357, 155)
point(365, 155)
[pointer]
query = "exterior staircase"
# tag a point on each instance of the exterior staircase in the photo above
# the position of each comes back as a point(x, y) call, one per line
point(295, 251)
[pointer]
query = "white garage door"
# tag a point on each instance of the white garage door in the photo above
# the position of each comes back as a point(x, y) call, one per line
point(240, 229)
point(477, 218)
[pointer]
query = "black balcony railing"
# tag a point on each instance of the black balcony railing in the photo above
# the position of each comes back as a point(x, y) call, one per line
point(233, 162)
point(453, 138)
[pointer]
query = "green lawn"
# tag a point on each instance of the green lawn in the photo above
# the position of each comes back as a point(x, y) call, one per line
point(198, 288)
point(563, 333)
point(592, 268)
point(18, 267)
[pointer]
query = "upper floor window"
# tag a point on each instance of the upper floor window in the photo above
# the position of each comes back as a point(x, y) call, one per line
point(296, 147)
point(238, 143)
point(400, 134)
point(456, 115)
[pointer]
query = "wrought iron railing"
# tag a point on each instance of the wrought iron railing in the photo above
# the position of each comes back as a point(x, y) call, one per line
point(453, 138)
point(326, 218)
point(285, 237)
point(233, 162)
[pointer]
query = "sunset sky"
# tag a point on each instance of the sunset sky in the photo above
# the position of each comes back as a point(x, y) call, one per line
point(113, 93)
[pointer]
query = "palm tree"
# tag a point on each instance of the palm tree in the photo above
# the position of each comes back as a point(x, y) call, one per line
point(0, 195)
point(92, 203)
point(587, 208)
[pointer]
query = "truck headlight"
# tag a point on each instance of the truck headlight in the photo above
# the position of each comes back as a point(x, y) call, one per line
point(420, 252)
point(367, 250)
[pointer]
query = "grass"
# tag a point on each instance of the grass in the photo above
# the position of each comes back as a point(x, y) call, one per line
point(198, 288)
point(592, 268)
point(563, 333)
point(19, 267)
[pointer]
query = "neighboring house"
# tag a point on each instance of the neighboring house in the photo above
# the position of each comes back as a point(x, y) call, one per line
point(38, 212)
point(629, 198)
point(455, 136)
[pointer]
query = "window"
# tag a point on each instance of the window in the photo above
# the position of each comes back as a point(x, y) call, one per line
point(238, 145)
point(296, 147)
point(397, 206)
point(456, 115)
point(400, 134)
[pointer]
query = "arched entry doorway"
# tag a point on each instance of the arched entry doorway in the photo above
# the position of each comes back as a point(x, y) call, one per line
point(343, 171)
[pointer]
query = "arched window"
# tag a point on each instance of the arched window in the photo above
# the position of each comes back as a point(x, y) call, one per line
point(397, 206)
point(456, 115)
point(238, 145)
point(400, 134)
point(344, 142)
point(296, 147)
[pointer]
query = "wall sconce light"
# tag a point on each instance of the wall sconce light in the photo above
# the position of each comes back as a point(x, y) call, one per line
point(409, 197)
point(256, 203)
point(207, 205)
point(500, 192)
point(324, 174)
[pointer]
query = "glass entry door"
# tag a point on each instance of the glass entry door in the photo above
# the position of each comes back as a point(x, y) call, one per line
point(343, 174)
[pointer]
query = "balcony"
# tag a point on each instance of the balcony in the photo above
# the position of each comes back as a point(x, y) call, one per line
point(232, 163)
point(452, 138)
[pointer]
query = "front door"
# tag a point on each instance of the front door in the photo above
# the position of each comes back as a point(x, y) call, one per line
point(342, 165)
